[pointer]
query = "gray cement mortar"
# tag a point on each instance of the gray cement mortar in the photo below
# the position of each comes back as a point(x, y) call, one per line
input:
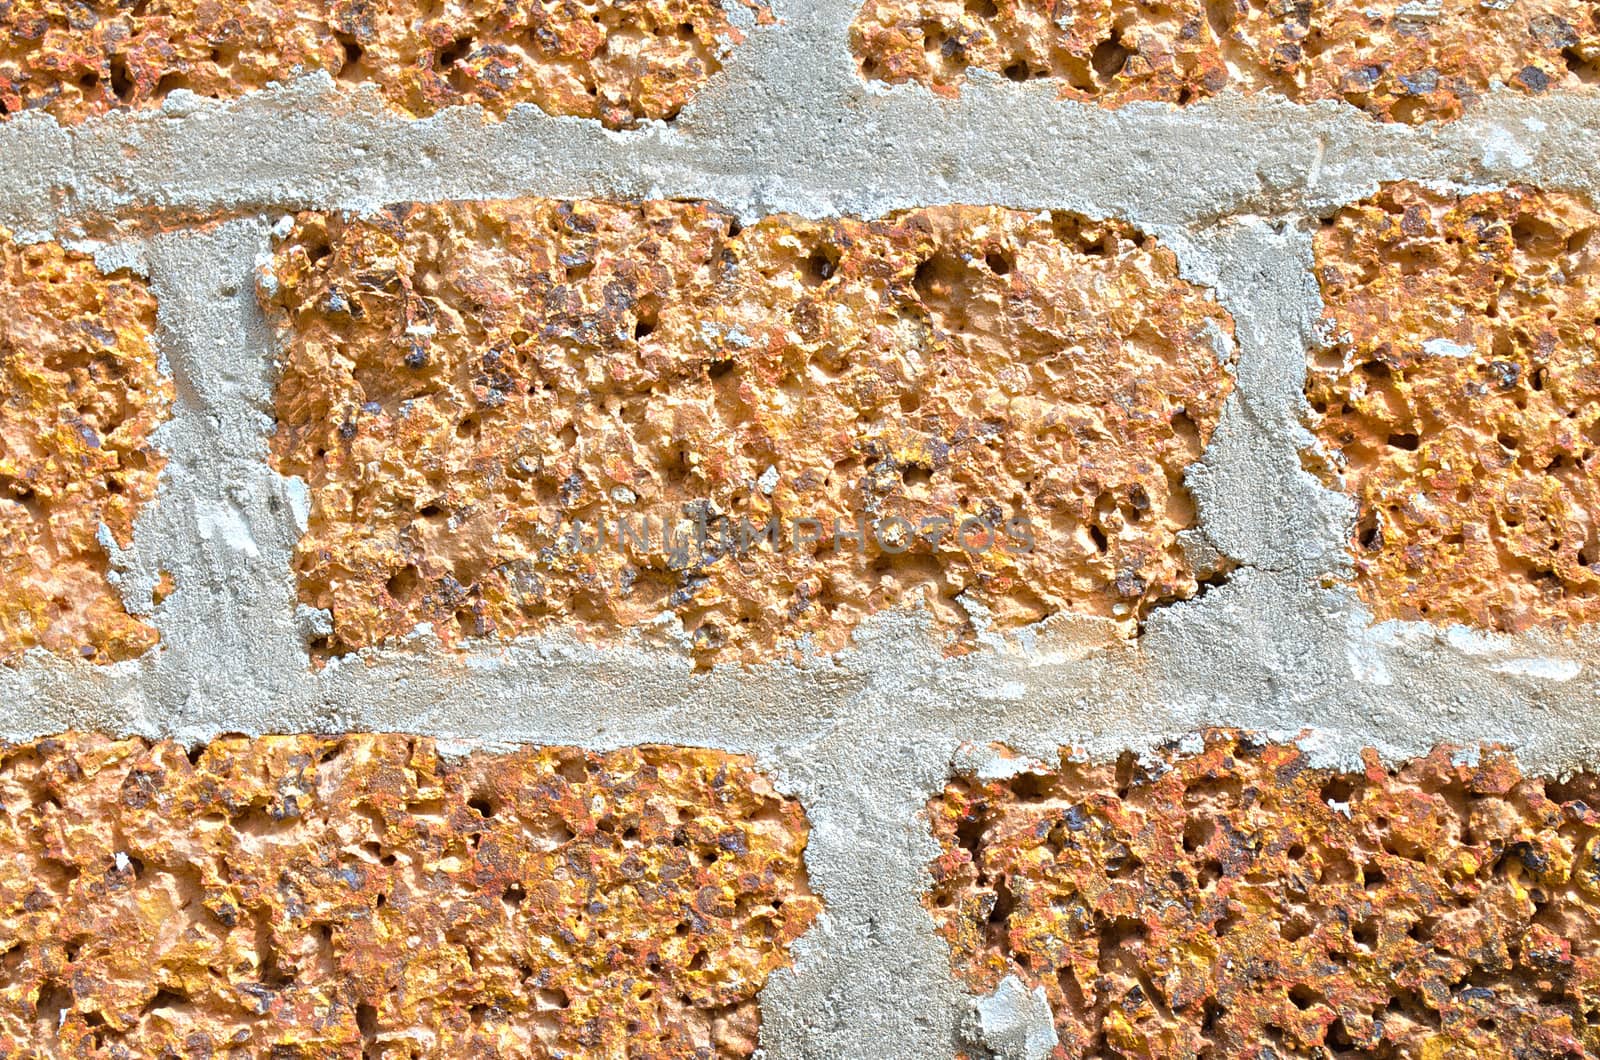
point(866, 736)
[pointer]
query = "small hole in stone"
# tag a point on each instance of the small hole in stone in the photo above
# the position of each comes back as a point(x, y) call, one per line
point(1409, 110)
point(403, 582)
point(1108, 58)
point(1585, 70)
point(455, 53)
point(122, 85)
point(51, 1003)
point(1303, 996)
point(353, 53)
point(1369, 533)
point(820, 266)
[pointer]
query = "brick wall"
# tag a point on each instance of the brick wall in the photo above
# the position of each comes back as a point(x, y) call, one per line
point(988, 529)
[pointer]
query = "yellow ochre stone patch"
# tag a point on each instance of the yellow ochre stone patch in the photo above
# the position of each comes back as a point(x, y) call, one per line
point(1400, 60)
point(461, 381)
point(616, 60)
point(1231, 900)
point(80, 395)
point(1456, 397)
point(361, 896)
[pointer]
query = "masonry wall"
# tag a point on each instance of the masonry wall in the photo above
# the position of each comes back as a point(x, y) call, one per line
point(824, 530)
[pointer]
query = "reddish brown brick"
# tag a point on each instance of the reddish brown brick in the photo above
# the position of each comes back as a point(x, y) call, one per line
point(1455, 397)
point(461, 381)
point(1390, 57)
point(361, 896)
point(1236, 901)
point(81, 394)
point(616, 60)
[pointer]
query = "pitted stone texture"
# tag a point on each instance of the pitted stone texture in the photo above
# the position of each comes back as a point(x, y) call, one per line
point(1456, 398)
point(460, 381)
point(1398, 60)
point(1231, 900)
point(616, 60)
point(360, 896)
point(81, 394)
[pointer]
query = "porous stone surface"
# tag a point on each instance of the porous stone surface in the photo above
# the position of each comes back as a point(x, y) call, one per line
point(1226, 898)
point(616, 60)
point(460, 382)
point(81, 394)
point(1455, 397)
point(1399, 61)
point(362, 896)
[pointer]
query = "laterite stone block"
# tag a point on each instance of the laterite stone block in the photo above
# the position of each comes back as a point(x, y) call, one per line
point(616, 60)
point(364, 896)
point(81, 394)
point(1455, 397)
point(1397, 60)
point(1226, 898)
point(461, 383)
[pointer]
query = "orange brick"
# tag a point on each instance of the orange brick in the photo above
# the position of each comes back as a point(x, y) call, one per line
point(80, 396)
point(616, 60)
point(1386, 57)
point(360, 896)
point(1235, 901)
point(1455, 399)
point(461, 381)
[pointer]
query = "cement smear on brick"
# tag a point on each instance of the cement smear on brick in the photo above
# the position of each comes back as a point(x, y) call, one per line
point(864, 738)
